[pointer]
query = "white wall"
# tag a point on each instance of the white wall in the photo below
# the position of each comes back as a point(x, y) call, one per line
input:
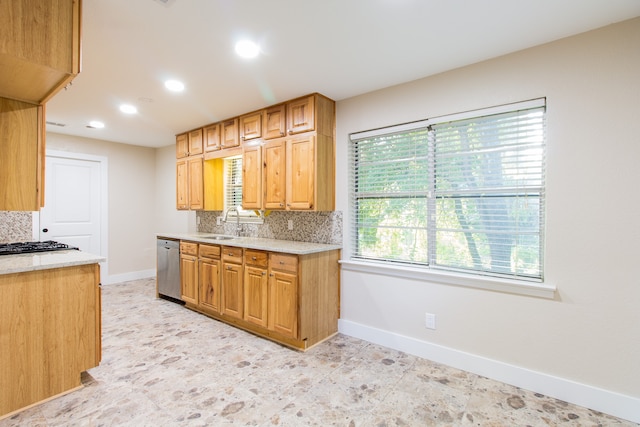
point(131, 201)
point(589, 336)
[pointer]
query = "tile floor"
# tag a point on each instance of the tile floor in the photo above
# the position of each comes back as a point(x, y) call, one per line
point(164, 365)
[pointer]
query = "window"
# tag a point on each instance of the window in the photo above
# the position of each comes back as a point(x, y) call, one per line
point(233, 191)
point(463, 192)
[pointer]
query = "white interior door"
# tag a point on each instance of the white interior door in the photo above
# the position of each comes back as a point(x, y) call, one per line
point(73, 197)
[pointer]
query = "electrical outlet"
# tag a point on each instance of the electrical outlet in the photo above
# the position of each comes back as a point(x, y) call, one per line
point(430, 320)
point(290, 224)
point(219, 220)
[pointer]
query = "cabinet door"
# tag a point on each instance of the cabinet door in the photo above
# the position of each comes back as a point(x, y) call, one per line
point(283, 303)
point(182, 145)
point(251, 126)
point(232, 290)
point(21, 156)
point(274, 122)
point(209, 278)
point(230, 136)
point(196, 183)
point(252, 177)
point(211, 135)
point(274, 175)
point(182, 185)
point(256, 295)
point(195, 142)
point(300, 173)
point(40, 48)
point(301, 115)
point(189, 278)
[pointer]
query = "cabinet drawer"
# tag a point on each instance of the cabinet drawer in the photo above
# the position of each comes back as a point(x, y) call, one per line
point(283, 262)
point(209, 251)
point(257, 258)
point(188, 248)
point(231, 253)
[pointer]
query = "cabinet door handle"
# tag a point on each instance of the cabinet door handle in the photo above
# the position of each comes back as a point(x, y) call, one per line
point(264, 274)
point(253, 258)
point(281, 262)
point(281, 133)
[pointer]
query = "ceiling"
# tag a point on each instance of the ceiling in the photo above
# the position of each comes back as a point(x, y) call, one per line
point(340, 48)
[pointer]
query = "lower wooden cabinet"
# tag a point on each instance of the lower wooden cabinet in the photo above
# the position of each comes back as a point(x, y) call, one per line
point(51, 328)
point(189, 272)
point(209, 266)
point(291, 299)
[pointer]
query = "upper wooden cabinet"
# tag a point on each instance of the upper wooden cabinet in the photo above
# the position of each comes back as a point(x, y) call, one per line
point(195, 142)
point(288, 154)
point(182, 145)
point(40, 48)
point(230, 136)
point(274, 122)
point(301, 115)
point(252, 177)
point(251, 126)
point(211, 136)
point(22, 154)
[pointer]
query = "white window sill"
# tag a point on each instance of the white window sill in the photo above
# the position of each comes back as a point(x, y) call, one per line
point(450, 278)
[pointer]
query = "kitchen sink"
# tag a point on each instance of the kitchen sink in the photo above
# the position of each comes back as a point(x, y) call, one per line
point(220, 237)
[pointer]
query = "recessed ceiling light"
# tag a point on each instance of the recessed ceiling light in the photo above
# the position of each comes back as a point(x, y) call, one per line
point(174, 85)
point(247, 49)
point(128, 109)
point(95, 124)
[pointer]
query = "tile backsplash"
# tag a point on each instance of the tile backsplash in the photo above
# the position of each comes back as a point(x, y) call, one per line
point(15, 227)
point(314, 227)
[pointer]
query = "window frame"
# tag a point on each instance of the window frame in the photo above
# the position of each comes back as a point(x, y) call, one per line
point(518, 283)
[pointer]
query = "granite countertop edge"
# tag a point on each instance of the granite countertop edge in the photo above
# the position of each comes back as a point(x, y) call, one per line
point(21, 263)
point(258, 243)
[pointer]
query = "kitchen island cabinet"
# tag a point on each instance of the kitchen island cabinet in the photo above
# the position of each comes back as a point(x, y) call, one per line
point(50, 325)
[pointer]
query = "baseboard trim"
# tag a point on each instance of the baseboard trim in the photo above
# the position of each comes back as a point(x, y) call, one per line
point(616, 404)
point(134, 275)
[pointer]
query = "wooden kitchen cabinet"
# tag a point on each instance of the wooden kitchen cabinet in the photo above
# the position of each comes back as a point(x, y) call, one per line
point(232, 282)
point(288, 298)
point(182, 145)
point(252, 177)
point(189, 272)
point(298, 173)
point(51, 333)
point(196, 182)
point(212, 140)
point(293, 169)
point(251, 126)
point(40, 49)
point(195, 142)
point(22, 155)
point(275, 174)
point(301, 115)
point(256, 288)
point(274, 121)
point(230, 134)
point(209, 278)
point(190, 183)
point(283, 294)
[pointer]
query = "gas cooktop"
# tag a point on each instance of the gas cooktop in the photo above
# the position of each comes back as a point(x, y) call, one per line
point(30, 247)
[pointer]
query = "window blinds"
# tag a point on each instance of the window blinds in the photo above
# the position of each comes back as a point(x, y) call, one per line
point(463, 192)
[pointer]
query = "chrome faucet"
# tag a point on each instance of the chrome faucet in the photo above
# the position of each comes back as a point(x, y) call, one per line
point(226, 214)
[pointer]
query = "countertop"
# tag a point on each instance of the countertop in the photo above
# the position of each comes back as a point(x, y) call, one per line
point(273, 245)
point(21, 263)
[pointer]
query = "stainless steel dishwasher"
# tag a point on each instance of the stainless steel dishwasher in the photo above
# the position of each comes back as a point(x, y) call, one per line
point(168, 268)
